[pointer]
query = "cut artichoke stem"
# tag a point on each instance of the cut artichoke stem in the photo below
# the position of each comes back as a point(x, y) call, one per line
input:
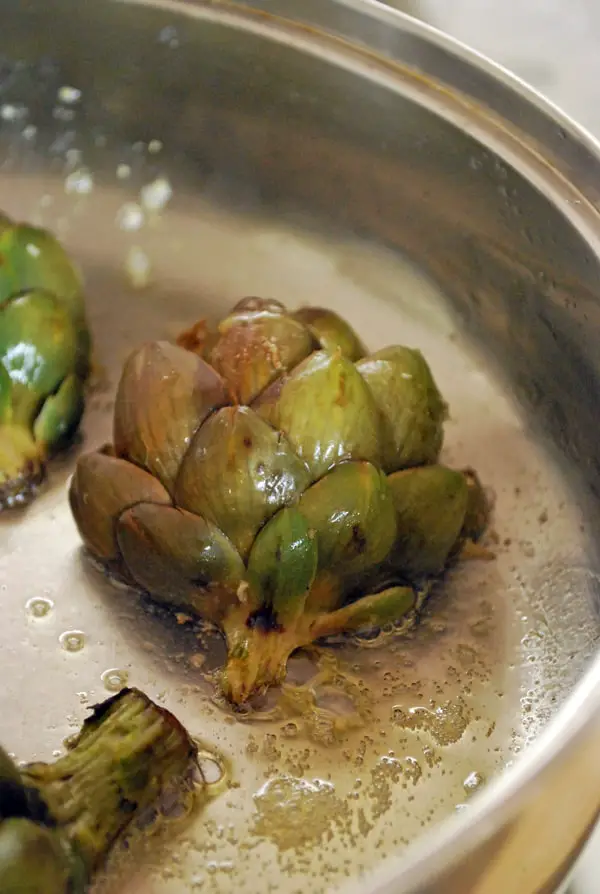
point(258, 648)
point(124, 757)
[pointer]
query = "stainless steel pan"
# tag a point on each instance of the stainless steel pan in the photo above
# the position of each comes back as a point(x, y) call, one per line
point(336, 152)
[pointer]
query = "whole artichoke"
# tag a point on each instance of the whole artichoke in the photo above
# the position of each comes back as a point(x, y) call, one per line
point(44, 356)
point(273, 479)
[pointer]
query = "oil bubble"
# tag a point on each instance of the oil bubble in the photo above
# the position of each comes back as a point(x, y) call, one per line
point(80, 182)
point(39, 606)
point(114, 679)
point(72, 640)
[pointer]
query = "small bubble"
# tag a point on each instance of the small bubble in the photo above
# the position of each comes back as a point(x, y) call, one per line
point(155, 195)
point(72, 640)
point(123, 172)
point(169, 36)
point(10, 112)
point(154, 147)
point(114, 679)
point(69, 95)
point(210, 770)
point(29, 132)
point(60, 113)
point(79, 182)
point(130, 217)
point(39, 606)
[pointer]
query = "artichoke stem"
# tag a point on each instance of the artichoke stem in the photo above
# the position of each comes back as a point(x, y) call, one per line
point(125, 755)
point(257, 656)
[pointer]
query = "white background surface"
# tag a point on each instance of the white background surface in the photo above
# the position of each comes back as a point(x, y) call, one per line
point(554, 45)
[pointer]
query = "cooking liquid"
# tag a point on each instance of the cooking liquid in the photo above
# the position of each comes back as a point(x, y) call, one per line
point(366, 746)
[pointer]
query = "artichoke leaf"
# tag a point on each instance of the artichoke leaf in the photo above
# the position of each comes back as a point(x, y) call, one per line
point(180, 559)
point(60, 415)
point(411, 406)
point(237, 473)
point(431, 504)
point(251, 354)
point(101, 488)
point(328, 413)
point(352, 514)
point(38, 345)
point(164, 395)
point(281, 568)
point(376, 610)
point(332, 332)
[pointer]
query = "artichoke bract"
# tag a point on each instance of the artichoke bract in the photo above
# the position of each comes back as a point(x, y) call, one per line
point(59, 821)
point(44, 356)
point(277, 481)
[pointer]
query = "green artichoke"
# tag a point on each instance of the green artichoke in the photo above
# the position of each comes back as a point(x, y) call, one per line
point(44, 356)
point(272, 479)
point(59, 822)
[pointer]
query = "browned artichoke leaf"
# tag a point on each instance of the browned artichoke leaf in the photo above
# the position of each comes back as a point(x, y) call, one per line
point(253, 352)
point(180, 558)
point(164, 395)
point(331, 331)
point(413, 409)
point(431, 504)
point(352, 514)
point(329, 413)
point(252, 308)
point(101, 488)
point(238, 472)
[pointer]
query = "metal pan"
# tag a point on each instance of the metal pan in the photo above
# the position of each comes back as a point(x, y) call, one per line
point(335, 152)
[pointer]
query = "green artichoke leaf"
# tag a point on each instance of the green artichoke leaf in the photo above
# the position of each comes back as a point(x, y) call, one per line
point(331, 331)
point(352, 514)
point(431, 504)
point(478, 511)
point(38, 349)
point(413, 409)
point(33, 859)
point(30, 259)
point(6, 394)
point(376, 610)
point(253, 352)
point(281, 569)
point(180, 558)
point(101, 489)
point(237, 473)
point(328, 413)
point(164, 395)
point(33, 259)
point(60, 415)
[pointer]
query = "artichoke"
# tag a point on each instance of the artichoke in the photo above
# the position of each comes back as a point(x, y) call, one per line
point(273, 479)
point(44, 356)
point(59, 822)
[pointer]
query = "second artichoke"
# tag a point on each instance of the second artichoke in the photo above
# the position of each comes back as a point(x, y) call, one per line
point(276, 480)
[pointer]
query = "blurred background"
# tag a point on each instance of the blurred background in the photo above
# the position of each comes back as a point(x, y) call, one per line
point(554, 45)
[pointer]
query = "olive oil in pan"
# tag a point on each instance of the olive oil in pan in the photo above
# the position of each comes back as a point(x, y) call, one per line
point(369, 743)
